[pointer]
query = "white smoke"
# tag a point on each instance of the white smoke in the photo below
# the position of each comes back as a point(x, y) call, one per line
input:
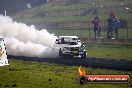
point(23, 40)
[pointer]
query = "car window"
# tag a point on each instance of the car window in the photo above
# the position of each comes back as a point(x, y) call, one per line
point(72, 43)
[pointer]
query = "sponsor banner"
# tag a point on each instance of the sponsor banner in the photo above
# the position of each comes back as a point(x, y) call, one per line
point(108, 78)
point(3, 55)
point(104, 78)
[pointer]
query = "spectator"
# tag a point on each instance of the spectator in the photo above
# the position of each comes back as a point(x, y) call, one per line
point(97, 26)
point(110, 28)
point(62, 41)
point(116, 24)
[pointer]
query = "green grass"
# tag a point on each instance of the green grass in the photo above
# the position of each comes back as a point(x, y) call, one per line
point(38, 20)
point(88, 4)
point(28, 74)
point(110, 51)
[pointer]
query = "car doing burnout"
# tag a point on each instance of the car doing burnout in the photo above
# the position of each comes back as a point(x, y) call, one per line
point(70, 46)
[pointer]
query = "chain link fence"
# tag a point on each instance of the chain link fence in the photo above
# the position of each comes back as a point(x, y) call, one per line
point(88, 36)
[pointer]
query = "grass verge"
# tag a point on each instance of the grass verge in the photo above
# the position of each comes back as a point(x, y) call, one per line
point(28, 74)
point(110, 51)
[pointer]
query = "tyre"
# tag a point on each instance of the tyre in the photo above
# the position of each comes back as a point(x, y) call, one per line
point(84, 55)
point(60, 52)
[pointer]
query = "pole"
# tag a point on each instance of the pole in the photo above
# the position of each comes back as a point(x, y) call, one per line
point(89, 34)
point(81, 33)
point(127, 26)
point(5, 12)
point(126, 30)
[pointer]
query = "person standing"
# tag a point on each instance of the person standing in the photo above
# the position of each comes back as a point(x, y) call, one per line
point(97, 27)
point(110, 25)
point(116, 24)
point(110, 28)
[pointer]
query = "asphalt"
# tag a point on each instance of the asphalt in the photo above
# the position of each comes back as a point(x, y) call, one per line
point(88, 62)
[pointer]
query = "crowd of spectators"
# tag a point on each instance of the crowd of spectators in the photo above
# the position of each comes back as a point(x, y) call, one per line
point(112, 28)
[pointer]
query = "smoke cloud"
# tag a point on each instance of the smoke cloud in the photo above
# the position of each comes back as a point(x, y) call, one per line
point(23, 40)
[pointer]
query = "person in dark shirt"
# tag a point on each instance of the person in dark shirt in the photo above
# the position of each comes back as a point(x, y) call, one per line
point(110, 28)
point(62, 41)
point(110, 21)
point(97, 26)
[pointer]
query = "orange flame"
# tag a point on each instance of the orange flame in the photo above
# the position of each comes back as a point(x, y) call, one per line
point(81, 71)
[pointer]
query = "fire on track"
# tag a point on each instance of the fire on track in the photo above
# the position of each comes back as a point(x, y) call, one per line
point(88, 62)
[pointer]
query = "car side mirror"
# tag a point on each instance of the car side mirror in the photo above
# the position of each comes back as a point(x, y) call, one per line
point(83, 44)
point(57, 41)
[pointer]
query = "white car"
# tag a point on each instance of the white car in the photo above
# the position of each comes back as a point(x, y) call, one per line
point(70, 46)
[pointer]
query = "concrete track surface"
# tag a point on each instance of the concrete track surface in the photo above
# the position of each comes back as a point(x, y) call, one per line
point(88, 62)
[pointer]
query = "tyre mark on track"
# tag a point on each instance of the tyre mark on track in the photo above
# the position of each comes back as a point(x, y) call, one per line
point(88, 62)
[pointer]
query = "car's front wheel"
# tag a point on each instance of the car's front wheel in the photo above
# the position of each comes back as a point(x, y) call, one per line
point(60, 52)
point(84, 55)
